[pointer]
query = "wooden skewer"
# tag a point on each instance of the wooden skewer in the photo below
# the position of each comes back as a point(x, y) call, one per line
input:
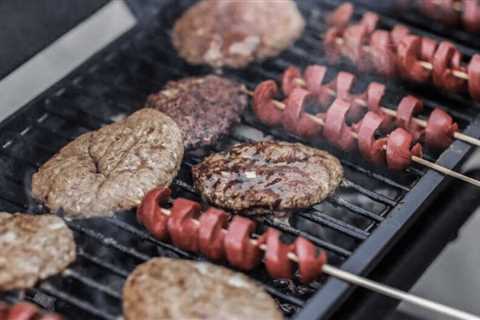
point(457, 73)
point(374, 286)
point(393, 113)
point(423, 162)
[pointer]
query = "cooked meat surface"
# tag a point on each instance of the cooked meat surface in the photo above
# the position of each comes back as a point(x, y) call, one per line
point(203, 107)
point(112, 168)
point(32, 248)
point(267, 176)
point(166, 289)
point(237, 32)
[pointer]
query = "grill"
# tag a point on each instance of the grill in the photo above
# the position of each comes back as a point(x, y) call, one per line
point(357, 226)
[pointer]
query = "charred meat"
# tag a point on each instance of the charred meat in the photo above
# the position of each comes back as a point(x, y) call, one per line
point(203, 107)
point(267, 176)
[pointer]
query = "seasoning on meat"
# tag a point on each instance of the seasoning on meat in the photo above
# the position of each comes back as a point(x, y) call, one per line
point(32, 248)
point(112, 168)
point(235, 33)
point(166, 289)
point(203, 107)
point(267, 176)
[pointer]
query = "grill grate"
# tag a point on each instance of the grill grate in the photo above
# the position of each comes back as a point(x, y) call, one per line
point(356, 225)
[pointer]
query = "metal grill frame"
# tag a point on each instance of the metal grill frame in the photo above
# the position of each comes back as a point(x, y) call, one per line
point(362, 260)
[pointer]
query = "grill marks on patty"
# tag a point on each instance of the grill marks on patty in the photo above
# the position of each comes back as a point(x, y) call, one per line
point(32, 248)
point(267, 176)
point(166, 289)
point(203, 107)
point(112, 168)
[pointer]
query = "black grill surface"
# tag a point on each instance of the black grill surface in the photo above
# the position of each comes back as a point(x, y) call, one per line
point(357, 225)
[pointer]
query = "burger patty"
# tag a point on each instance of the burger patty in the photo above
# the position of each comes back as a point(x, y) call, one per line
point(164, 288)
point(267, 176)
point(235, 33)
point(203, 107)
point(112, 168)
point(32, 248)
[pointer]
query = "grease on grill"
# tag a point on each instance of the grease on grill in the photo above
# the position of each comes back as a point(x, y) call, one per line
point(267, 176)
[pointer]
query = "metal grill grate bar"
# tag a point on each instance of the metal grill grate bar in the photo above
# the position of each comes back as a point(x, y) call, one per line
point(92, 283)
point(110, 267)
point(335, 224)
point(79, 303)
point(110, 242)
point(353, 208)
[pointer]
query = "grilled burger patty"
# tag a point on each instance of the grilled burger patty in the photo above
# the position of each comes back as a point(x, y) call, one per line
point(165, 289)
point(203, 107)
point(32, 248)
point(112, 168)
point(235, 33)
point(267, 176)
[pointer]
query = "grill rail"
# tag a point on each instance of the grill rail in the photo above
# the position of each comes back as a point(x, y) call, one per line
point(357, 225)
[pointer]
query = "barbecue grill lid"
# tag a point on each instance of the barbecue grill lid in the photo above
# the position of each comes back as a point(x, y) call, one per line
point(30, 26)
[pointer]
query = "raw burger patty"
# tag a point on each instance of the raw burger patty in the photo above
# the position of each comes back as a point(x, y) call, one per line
point(166, 289)
point(203, 107)
point(236, 32)
point(112, 168)
point(32, 248)
point(267, 176)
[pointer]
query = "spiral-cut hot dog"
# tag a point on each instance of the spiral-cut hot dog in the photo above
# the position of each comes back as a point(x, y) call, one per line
point(397, 149)
point(24, 311)
point(440, 124)
point(398, 52)
point(215, 236)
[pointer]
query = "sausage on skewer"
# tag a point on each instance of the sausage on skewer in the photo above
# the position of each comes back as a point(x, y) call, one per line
point(439, 124)
point(415, 151)
point(415, 58)
point(235, 242)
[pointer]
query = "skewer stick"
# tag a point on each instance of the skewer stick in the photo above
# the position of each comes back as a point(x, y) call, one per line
point(423, 162)
point(374, 286)
point(456, 73)
point(457, 135)
point(397, 294)
point(445, 171)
